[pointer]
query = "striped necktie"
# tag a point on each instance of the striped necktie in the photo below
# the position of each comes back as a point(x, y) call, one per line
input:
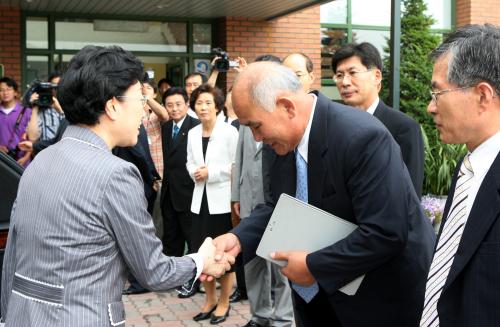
point(307, 293)
point(447, 245)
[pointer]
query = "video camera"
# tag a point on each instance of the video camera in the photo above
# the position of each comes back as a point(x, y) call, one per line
point(223, 64)
point(44, 90)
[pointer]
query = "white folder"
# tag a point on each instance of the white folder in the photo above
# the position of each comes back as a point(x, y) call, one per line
point(298, 226)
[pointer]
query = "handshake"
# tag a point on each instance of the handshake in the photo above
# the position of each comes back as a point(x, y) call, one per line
point(214, 268)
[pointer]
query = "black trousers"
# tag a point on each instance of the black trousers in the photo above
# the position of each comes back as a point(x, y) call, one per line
point(317, 313)
point(176, 229)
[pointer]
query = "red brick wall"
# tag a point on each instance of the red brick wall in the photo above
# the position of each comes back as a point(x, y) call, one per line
point(297, 32)
point(10, 41)
point(477, 12)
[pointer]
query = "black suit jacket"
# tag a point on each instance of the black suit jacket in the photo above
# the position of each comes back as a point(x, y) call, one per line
point(140, 156)
point(176, 180)
point(408, 135)
point(355, 171)
point(471, 295)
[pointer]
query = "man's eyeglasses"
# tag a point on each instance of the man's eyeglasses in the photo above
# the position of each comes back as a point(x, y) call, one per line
point(143, 99)
point(339, 77)
point(434, 94)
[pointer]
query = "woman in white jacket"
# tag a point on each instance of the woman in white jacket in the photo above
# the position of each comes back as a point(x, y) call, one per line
point(210, 156)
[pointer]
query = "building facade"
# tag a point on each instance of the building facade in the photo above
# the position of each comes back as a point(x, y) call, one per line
point(34, 42)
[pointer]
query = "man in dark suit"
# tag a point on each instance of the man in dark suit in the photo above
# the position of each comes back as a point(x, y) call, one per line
point(357, 70)
point(352, 169)
point(463, 286)
point(177, 189)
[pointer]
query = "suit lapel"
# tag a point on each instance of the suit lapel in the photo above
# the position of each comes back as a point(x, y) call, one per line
point(484, 212)
point(181, 135)
point(316, 165)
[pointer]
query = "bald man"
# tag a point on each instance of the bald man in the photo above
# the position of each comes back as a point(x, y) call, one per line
point(345, 162)
point(303, 67)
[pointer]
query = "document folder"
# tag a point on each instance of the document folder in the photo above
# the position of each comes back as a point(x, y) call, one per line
point(298, 226)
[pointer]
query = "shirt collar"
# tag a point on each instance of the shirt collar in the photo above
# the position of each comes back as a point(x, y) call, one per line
point(179, 124)
point(303, 146)
point(483, 156)
point(85, 135)
point(371, 109)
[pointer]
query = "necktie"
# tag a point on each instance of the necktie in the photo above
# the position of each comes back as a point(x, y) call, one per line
point(447, 245)
point(175, 131)
point(307, 293)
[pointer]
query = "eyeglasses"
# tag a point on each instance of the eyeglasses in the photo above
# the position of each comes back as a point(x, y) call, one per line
point(339, 77)
point(143, 99)
point(434, 94)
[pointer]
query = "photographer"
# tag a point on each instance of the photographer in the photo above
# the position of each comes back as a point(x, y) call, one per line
point(47, 112)
point(13, 120)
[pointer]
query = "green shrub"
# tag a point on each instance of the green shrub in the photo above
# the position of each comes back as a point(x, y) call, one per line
point(415, 79)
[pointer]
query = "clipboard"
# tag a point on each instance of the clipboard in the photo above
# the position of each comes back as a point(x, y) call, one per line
point(299, 226)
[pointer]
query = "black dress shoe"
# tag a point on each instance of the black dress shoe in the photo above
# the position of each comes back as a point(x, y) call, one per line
point(188, 290)
point(238, 296)
point(218, 319)
point(204, 315)
point(252, 323)
point(131, 290)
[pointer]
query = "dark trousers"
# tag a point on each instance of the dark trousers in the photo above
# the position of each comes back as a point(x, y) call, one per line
point(317, 313)
point(176, 229)
point(240, 274)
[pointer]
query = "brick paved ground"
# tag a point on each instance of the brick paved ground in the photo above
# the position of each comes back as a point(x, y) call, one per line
point(166, 309)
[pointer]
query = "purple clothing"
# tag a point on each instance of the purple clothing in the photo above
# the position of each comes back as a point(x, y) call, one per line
point(7, 124)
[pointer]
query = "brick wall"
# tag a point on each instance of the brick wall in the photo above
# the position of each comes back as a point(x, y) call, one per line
point(297, 32)
point(477, 12)
point(10, 41)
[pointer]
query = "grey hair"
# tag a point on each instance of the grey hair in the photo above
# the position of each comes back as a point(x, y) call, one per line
point(474, 55)
point(265, 86)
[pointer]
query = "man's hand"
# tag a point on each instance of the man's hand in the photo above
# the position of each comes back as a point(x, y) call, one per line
point(201, 174)
point(34, 97)
point(236, 207)
point(3, 149)
point(242, 64)
point(26, 146)
point(57, 105)
point(296, 270)
point(225, 244)
point(212, 268)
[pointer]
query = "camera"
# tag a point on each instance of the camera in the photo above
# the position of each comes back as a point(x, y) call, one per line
point(223, 64)
point(45, 94)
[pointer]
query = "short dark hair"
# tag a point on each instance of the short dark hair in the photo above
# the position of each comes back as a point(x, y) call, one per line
point(309, 63)
point(268, 57)
point(94, 76)
point(173, 91)
point(10, 82)
point(214, 91)
point(369, 55)
point(474, 55)
point(166, 80)
point(147, 80)
point(203, 77)
point(53, 75)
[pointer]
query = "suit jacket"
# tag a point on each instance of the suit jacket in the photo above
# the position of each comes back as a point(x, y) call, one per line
point(177, 184)
point(471, 294)
point(247, 186)
point(355, 171)
point(79, 221)
point(219, 159)
point(408, 136)
point(140, 156)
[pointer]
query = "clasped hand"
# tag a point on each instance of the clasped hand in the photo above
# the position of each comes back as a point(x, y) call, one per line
point(211, 267)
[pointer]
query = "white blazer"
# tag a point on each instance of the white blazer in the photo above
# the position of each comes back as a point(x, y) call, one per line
point(219, 161)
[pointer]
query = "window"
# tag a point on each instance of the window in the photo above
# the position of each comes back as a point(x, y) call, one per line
point(163, 46)
point(345, 21)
